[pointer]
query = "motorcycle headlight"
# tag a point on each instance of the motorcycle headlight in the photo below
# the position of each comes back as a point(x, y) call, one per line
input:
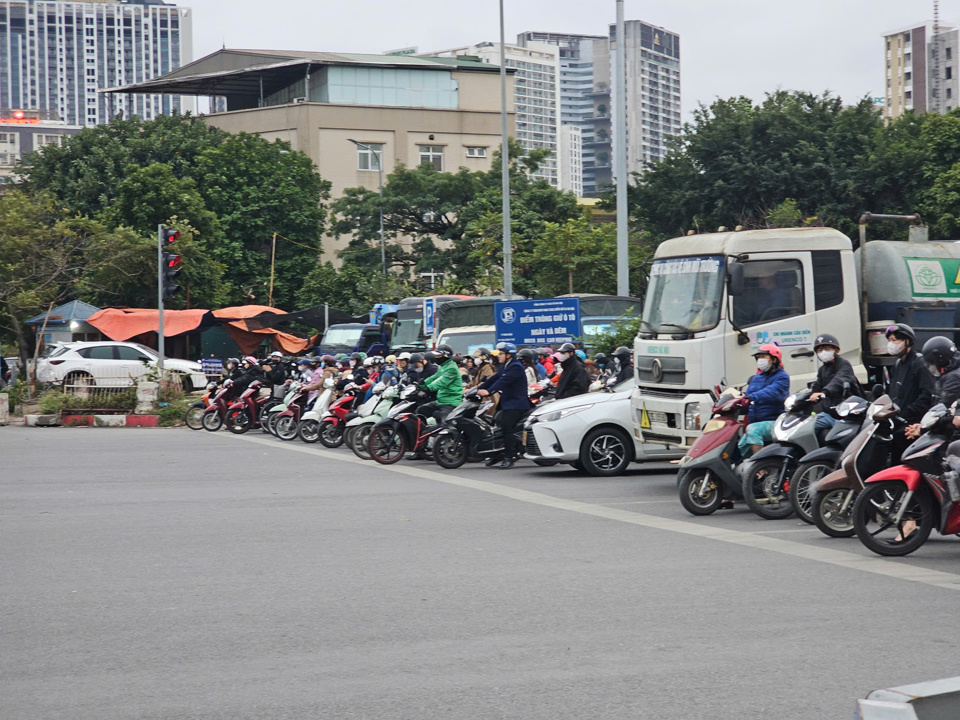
point(691, 416)
point(566, 412)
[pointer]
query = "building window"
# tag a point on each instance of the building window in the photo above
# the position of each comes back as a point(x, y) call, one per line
point(432, 155)
point(369, 156)
point(949, 53)
point(476, 152)
point(44, 140)
point(949, 73)
point(949, 93)
point(908, 76)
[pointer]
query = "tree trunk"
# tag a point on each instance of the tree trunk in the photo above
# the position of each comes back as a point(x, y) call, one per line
point(570, 280)
point(21, 338)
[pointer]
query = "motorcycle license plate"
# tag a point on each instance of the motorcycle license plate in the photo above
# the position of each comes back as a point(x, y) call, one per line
point(657, 418)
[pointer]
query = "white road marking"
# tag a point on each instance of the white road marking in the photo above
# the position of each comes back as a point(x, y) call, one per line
point(829, 556)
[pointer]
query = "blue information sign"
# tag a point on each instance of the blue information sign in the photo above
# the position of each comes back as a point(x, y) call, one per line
point(538, 322)
point(429, 313)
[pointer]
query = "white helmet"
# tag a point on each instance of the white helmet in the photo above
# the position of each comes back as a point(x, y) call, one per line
point(367, 362)
point(403, 356)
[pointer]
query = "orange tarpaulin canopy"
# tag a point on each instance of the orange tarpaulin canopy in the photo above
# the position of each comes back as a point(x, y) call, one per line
point(125, 323)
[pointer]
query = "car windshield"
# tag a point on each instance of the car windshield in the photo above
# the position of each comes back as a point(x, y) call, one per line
point(406, 332)
point(684, 294)
point(465, 343)
point(341, 337)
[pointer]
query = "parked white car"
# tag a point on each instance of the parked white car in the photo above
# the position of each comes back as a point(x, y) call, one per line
point(112, 364)
point(593, 432)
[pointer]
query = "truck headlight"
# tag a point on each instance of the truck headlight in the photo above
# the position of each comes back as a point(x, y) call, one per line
point(691, 416)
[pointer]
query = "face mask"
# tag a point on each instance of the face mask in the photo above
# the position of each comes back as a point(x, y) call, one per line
point(894, 348)
point(353, 363)
point(826, 355)
point(762, 364)
point(564, 357)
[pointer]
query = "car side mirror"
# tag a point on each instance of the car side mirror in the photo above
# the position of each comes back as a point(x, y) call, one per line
point(735, 279)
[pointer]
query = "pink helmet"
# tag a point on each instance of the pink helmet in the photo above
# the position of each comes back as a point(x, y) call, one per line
point(251, 359)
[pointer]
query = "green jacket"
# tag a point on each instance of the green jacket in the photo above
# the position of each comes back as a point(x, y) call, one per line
point(447, 383)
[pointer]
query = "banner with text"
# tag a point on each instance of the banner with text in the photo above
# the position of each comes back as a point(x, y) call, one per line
point(538, 322)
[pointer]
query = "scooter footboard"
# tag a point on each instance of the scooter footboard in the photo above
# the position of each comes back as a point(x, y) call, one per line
point(837, 480)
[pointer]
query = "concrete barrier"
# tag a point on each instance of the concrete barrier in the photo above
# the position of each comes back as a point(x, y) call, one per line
point(932, 700)
point(4, 408)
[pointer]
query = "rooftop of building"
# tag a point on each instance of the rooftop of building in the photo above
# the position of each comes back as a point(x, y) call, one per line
point(928, 24)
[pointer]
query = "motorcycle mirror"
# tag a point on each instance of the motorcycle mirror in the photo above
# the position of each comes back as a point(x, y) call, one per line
point(876, 391)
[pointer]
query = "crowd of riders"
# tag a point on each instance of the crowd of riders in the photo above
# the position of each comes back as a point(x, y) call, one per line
point(509, 374)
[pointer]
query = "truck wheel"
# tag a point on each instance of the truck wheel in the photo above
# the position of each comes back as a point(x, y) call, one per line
point(606, 451)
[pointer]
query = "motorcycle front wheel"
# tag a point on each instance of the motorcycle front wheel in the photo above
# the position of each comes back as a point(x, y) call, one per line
point(700, 492)
point(193, 417)
point(801, 494)
point(212, 421)
point(829, 515)
point(286, 427)
point(361, 440)
point(331, 435)
point(450, 451)
point(387, 445)
point(309, 430)
point(875, 518)
point(761, 491)
point(238, 422)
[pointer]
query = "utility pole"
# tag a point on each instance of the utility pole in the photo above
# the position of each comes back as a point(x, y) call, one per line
point(620, 151)
point(505, 163)
point(273, 257)
point(160, 347)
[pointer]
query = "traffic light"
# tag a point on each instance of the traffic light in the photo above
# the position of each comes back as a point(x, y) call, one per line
point(172, 263)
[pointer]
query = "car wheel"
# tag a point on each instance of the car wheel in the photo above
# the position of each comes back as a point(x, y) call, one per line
point(606, 451)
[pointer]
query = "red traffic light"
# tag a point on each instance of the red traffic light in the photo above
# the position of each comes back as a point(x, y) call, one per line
point(173, 262)
point(170, 236)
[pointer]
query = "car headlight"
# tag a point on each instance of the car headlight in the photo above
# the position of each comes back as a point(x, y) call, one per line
point(691, 416)
point(566, 412)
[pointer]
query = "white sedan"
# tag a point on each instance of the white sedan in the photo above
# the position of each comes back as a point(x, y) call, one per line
point(112, 364)
point(593, 432)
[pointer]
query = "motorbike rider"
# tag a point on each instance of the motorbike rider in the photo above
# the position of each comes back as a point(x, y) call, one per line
point(273, 370)
point(574, 379)
point(390, 374)
point(412, 370)
point(834, 372)
point(546, 361)
point(766, 391)
point(360, 372)
point(446, 383)
point(624, 357)
point(316, 378)
point(911, 384)
point(485, 368)
point(251, 371)
point(528, 358)
point(403, 364)
point(429, 366)
point(511, 383)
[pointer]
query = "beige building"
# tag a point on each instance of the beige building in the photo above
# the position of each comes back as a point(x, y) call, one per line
point(920, 70)
point(410, 110)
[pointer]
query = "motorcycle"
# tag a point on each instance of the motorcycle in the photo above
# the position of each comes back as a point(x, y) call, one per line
point(404, 429)
point(287, 422)
point(308, 429)
point(359, 428)
point(269, 422)
point(248, 409)
point(363, 410)
point(216, 411)
point(334, 422)
point(193, 417)
point(866, 454)
point(813, 466)
point(707, 473)
point(899, 507)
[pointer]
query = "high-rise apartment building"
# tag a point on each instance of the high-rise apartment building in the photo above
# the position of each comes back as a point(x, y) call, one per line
point(920, 70)
point(55, 56)
point(536, 97)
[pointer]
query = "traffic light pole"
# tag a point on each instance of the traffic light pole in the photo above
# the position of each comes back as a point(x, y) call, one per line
point(160, 300)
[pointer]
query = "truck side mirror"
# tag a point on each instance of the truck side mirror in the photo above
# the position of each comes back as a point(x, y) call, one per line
point(735, 278)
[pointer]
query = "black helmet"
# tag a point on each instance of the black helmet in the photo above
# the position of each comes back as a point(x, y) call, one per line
point(527, 356)
point(938, 352)
point(902, 331)
point(543, 351)
point(567, 348)
point(826, 339)
point(600, 359)
point(415, 358)
point(622, 351)
point(431, 356)
point(235, 361)
point(356, 356)
point(444, 351)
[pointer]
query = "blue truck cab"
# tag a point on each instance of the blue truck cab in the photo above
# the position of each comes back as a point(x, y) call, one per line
point(354, 337)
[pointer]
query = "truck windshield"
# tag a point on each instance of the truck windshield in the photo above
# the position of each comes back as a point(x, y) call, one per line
point(406, 332)
point(684, 294)
point(465, 343)
point(341, 337)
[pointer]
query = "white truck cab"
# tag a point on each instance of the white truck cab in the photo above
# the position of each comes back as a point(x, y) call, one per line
point(713, 299)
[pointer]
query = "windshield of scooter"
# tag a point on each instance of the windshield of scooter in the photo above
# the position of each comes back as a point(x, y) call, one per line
point(684, 294)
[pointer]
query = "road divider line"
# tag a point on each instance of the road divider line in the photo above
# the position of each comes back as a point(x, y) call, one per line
point(897, 569)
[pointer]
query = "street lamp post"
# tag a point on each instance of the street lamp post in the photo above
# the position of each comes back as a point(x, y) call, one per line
point(505, 166)
point(383, 245)
point(620, 156)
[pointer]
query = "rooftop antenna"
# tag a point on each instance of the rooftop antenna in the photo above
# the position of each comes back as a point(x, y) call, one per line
point(935, 60)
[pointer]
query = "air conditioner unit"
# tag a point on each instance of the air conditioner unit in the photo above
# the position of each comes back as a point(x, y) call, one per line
point(298, 100)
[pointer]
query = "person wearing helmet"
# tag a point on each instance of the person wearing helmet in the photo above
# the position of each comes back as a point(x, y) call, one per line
point(232, 369)
point(835, 381)
point(414, 363)
point(485, 368)
point(624, 357)
point(545, 355)
point(943, 361)
point(251, 371)
point(912, 385)
point(445, 382)
point(314, 379)
point(389, 373)
point(274, 373)
point(529, 359)
point(766, 391)
point(429, 367)
point(511, 383)
point(574, 380)
point(303, 368)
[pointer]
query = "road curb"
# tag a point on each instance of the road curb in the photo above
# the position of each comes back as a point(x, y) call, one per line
point(91, 420)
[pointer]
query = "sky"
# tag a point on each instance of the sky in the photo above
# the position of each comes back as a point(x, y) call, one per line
point(728, 47)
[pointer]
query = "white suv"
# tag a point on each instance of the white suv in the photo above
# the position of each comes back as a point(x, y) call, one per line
point(112, 364)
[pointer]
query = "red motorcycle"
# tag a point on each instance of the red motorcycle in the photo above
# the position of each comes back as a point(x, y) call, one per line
point(404, 429)
point(334, 422)
point(215, 413)
point(899, 507)
point(288, 420)
point(246, 412)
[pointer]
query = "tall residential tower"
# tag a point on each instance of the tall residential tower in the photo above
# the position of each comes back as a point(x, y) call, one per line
point(920, 70)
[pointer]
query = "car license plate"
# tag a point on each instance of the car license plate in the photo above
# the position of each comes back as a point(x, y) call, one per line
point(657, 418)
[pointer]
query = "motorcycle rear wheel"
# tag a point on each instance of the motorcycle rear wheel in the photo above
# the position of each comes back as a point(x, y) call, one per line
point(286, 428)
point(331, 436)
point(387, 445)
point(759, 493)
point(450, 451)
point(193, 418)
point(874, 512)
point(238, 422)
point(309, 430)
point(804, 478)
point(691, 498)
point(212, 421)
point(348, 435)
point(827, 516)
point(361, 439)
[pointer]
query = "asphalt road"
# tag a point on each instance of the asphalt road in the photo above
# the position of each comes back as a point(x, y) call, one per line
point(178, 574)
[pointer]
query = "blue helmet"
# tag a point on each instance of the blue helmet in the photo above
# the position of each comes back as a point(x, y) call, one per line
point(507, 347)
point(581, 354)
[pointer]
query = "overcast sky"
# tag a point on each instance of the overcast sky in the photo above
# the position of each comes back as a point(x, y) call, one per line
point(728, 47)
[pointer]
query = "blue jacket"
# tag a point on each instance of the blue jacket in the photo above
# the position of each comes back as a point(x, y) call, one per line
point(511, 382)
point(767, 391)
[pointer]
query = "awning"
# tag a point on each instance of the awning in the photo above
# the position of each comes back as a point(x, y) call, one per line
point(248, 338)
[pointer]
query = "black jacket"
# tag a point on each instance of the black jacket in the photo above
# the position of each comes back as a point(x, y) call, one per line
point(574, 380)
point(948, 384)
point(429, 369)
point(626, 372)
point(912, 387)
point(830, 379)
point(277, 374)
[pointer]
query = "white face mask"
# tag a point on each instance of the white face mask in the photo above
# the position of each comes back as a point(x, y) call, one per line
point(827, 355)
point(353, 363)
point(895, 348)
point(762, 364)
point(564, 357)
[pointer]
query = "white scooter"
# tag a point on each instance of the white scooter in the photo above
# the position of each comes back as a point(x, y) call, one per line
point(309, 426)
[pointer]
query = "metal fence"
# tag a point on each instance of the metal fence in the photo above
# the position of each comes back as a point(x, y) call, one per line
point(104, 393)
